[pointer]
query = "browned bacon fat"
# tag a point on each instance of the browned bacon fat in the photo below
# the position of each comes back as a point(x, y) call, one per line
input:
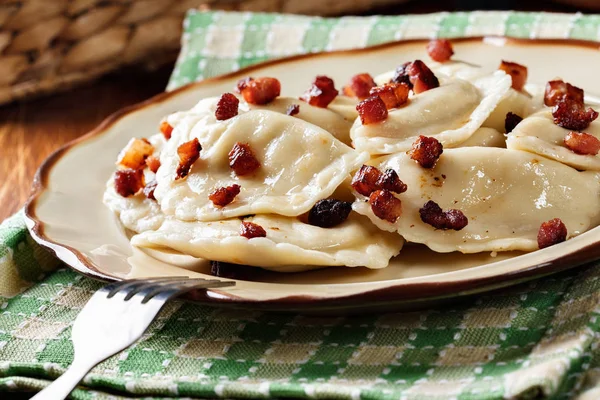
point(242, 159)
point(372, 110)
point(368, 179)
point(166, 129)
point(517, 72)
point(359, 86)
point(227, 107)
point(135, 154)
point(570, 114)
point(224, 195)
point(251, 230)
point(393, 94)
point(440, 50)
point(385, 205)
point(153, 163)
point(426, 151)
point(582, 143)
point(188, 153)
point(129, 181)
point(321, 93)
point(421, 77)
point(259, 90)
point(551, 232)
point(431, 213)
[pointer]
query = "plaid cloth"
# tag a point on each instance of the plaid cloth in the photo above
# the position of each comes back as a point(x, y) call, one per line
point(536, 340)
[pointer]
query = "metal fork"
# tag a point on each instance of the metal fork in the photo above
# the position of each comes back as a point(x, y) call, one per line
point(114, 318)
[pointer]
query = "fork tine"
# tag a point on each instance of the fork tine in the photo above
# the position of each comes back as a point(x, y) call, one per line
point(172, 289)
point(127, 286)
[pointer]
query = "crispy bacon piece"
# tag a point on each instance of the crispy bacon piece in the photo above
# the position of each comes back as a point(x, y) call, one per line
point(359, 86)
point(242, 159)
point(440, 50)
point(188, 153)
point(385, 205)
point(149, 190)
point(421, 77)
point(401, 75)
point(153, 163)
point(572, 115)
point(135, 153)
point(293, 109)
point(389, 180)
point(227, 107)
point(366, 180)
point(517, 72)
point(557, 90)
point(431, 213)
point(321, 93)
point(129, 181)
point(259, 90)
point(372, 110)
point(582, 143)
point(166, 129)
point(224, 195)
point(551, 232)
point(511, 121)
point(251, 230)
point(328, 213)
point(393, 94)
point(426, 151)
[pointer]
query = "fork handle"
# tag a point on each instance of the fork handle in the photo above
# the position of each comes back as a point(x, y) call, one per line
point(64, 384)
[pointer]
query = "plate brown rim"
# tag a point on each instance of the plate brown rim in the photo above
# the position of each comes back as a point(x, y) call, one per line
point(395, 293)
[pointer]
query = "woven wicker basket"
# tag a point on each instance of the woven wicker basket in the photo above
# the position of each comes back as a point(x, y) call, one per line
point(51, 45)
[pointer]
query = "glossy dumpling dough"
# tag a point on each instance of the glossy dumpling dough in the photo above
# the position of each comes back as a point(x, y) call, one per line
point(505, 194)
point(539, 134)
point(451, 113)
point(337, 118)
point(485, 137)
point(290, 245)
point(300, 164)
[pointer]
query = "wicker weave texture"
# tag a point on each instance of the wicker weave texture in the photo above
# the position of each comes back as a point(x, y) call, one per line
point(51, 45)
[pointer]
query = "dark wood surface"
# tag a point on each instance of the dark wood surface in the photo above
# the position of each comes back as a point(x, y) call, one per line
point(30, 131)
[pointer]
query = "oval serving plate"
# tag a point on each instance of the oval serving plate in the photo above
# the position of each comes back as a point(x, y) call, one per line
point(65, 212)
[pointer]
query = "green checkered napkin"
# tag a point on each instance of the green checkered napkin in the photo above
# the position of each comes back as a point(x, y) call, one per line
point(537, 340)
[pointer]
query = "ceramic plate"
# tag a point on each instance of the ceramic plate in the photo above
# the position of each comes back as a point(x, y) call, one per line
point(66, 213)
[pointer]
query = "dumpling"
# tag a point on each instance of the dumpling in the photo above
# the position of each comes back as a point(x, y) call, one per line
point(337, 118)
point(300, 164)
point(540, 135)
point(451, 113)
point(290, 245)
point(485, 137)
point(505, 194)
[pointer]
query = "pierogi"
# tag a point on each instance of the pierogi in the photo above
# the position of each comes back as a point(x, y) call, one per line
point(505, 194)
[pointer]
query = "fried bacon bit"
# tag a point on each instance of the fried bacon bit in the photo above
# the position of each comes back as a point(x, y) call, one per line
point(551, 232)
point(329, 213)
point(242, 83)
point(393, 94)
point(517, 72)
point(582, 143)
point(558, 90)
point(421, 77)
point(389, 180)
point(153, 163)
point(511, 121)
point(372, 110)
point(224, 195)
point(227, 107)
point(401, 75)
point(426, 151)
point(366, 180)
point(572, 115)
point(129, 181)
point(135, 153)
point(242, 159)
point(321, 93)
point(431, 213)
point(293, 109)
point(259, 90)
point(359, 86)
point(385, 205)
point(440, 50)
point(149, 190)
point(166, 129)
point(229, 270)
point(251, 230)
point(188, 153)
